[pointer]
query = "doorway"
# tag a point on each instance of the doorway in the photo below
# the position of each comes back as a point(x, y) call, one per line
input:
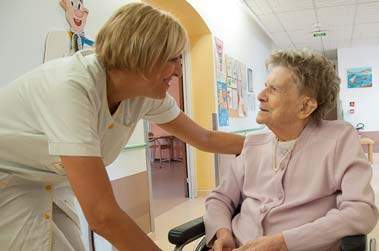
point(168, 161)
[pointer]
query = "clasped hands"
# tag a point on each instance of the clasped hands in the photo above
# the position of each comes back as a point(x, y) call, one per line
point(225, 242)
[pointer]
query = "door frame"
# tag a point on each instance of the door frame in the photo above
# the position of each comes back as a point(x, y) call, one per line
point(187, 99)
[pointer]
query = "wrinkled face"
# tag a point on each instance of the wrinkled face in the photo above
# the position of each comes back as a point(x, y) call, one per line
point(279, 100)
point(160, 80)
point(76, 14)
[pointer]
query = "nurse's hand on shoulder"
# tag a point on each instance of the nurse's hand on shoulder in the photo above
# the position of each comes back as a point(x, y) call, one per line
point(265, 243)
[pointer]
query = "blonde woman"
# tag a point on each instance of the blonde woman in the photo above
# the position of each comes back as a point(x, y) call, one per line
point(64, 121)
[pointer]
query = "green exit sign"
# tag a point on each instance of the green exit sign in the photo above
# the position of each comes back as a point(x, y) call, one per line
point(319, 34)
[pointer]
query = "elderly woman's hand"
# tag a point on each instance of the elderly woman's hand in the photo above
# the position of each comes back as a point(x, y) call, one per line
point(265, 243)
point(224, 241)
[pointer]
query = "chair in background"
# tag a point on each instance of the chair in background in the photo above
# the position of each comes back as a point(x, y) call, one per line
point(366, 141)
point(162, 145)
point(370, 147)
point(178, 148)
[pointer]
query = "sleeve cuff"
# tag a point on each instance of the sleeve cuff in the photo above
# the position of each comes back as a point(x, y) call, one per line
point(163, 111)
point(217, 220)
point(166, 116)
point(289, 238)
point(299, 240)
point(210, 234)
point(74, 149)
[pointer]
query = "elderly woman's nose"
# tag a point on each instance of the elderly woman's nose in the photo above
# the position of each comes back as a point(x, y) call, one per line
point(262, 96)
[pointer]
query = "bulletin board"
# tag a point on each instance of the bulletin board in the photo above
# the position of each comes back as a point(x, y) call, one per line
point(234, 100)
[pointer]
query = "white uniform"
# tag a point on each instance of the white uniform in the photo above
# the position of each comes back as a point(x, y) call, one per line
point(60, 108)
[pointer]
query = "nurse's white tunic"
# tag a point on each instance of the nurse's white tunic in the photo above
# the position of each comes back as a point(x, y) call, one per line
point(60, 108)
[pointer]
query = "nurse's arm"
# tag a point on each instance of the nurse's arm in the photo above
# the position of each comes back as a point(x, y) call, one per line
point(206, 140)
point(91, 185)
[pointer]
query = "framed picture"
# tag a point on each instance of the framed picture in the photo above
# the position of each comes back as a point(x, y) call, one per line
point(250, 87)
point(359, 77)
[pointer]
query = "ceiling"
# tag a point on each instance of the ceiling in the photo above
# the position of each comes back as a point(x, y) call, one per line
point(291, 23)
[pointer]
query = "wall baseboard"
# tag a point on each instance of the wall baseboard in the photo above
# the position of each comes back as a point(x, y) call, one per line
point(132, 194)
point(203, 193)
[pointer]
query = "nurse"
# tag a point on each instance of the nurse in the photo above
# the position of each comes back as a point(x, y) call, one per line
point(64, 121)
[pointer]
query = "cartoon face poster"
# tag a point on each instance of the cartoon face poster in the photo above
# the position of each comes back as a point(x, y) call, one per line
point(76, 14)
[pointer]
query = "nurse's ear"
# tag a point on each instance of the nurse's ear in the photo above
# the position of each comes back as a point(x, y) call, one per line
point(307, 106)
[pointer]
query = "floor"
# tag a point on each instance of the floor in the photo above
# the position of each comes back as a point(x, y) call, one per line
point(168, 185)
point(184, 212)
point(193, 208)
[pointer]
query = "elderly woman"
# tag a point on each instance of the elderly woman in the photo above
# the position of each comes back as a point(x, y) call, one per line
point(64, 121)
point(304, 184)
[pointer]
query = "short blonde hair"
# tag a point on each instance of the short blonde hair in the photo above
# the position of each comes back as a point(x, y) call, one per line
point(314, 74)
point(139, 37)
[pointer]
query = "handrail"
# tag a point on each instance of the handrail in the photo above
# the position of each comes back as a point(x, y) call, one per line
point(134, 146)
point(245, 131)
point(144, 145)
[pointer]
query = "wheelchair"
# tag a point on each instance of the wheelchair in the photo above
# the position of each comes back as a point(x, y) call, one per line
point(192, 230)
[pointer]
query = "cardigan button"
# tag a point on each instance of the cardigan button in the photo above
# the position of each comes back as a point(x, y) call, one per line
point(263, 209)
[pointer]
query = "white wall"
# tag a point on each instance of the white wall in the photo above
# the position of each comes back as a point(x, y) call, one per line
point(24, 25)
point(243, 40)
point(132, 161)
point(366, 99)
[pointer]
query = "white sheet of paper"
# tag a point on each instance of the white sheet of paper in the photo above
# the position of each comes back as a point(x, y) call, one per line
point(58, 44)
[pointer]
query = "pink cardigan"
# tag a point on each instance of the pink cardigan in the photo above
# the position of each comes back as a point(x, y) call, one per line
point(321, 192)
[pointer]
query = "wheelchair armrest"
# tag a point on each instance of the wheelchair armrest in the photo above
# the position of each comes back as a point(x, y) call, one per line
point(187, 232)
point(354, 243)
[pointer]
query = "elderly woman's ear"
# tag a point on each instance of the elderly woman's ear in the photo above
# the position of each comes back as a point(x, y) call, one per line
point(307, 106)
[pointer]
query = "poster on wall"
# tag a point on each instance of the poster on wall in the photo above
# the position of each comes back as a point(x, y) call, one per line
point(236, 82)
point(220, 64)
point(57, 45)
point(222, 104)
point(232, 101)
point(231, 82)
point(231, 67)
point(76, 16)
point(232, 86)
point(359, 77)
point(250, 86)
point(65, 43)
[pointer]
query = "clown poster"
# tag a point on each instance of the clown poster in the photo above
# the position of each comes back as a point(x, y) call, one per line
point(65, 43)
point(76, 16)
